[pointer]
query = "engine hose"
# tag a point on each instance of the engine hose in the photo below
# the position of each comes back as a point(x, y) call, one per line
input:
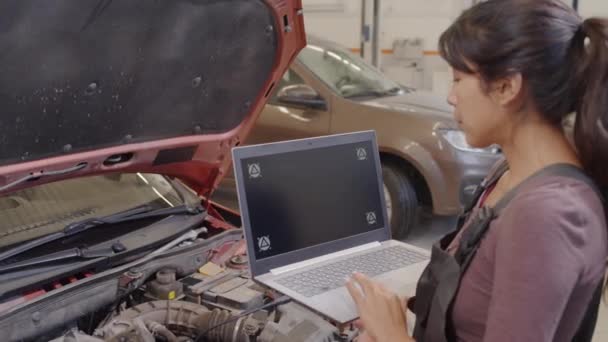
point(158, 329)
point(230, 332)
point(178, 318)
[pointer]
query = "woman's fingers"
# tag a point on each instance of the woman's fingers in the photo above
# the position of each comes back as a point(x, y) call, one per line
point(359, 324)
point(364, 337)
point(367, 285)
point(354, 291)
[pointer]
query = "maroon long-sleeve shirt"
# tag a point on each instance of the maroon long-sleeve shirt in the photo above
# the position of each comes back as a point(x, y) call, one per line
point(537, 267)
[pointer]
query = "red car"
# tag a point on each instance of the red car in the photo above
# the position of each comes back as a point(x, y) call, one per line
point(117, 124)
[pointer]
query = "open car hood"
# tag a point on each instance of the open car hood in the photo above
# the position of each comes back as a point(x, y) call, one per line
point(167, 87)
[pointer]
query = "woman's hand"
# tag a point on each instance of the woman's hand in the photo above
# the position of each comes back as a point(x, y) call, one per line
point(381, 311)
point(364, 337)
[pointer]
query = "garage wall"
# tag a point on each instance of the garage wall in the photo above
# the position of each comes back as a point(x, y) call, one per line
point(340, 21)
point(337, 20)
point(414, 18)
point(589, 8)
point(411, 20)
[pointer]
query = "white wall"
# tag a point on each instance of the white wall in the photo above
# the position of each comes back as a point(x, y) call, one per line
point(337, 20)
point(415, 18)
point(593, 8)
point(340, 21)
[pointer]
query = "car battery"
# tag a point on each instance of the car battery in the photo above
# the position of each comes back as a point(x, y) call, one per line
point(226, 289)
point(237, 294)
point(197, 284)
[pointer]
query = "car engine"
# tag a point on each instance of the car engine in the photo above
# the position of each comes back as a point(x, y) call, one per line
point(200, 290)
point(167, 309)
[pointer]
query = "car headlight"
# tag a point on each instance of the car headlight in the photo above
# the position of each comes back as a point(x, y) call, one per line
point(457, 140)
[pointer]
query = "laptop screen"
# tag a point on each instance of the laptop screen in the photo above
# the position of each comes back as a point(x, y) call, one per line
point(305, 198)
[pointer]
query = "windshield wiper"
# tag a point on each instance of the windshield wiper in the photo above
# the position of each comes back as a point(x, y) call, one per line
point(34, 176)
point(81, 253)
point(138, 213)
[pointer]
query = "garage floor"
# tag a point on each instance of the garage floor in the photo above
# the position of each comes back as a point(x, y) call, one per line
point(431, 228)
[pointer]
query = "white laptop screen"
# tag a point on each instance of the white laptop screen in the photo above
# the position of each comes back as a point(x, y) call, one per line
point(305, 198)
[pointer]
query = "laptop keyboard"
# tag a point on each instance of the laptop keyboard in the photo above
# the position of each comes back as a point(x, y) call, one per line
point(331, 276)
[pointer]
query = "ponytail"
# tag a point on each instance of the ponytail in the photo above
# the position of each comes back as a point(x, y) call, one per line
point(590, 48)
point(591, 126)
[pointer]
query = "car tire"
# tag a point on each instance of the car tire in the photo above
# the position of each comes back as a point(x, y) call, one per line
point(401, 199)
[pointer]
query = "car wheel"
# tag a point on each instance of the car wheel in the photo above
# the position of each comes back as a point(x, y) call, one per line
point(401, 201)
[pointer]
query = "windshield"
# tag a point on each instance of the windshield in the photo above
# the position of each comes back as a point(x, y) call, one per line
point(48, 208)
point(346, 73)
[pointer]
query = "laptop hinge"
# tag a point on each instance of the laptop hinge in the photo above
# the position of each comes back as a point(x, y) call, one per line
point(309, 262)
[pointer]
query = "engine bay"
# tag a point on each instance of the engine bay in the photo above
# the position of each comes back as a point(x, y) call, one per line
point(200, 307)
point(198, 290)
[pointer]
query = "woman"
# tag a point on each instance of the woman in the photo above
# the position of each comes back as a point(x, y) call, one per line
point(520, 68)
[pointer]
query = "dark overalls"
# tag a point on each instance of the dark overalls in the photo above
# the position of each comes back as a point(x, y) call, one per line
point(440, 280)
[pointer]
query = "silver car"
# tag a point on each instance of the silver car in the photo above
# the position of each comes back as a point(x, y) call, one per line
point(427, 162)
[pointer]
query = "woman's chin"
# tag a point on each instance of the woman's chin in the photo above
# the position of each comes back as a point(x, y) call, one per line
point(476, 143)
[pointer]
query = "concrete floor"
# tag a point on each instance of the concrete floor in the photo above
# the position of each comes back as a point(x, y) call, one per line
point(601, 329)
point(430, 229)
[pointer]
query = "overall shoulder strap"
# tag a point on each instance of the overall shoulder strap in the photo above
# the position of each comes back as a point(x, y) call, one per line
point(564, 170)
point(480, 224)
point(497, 170)
point(493, 176)
point(587, 326)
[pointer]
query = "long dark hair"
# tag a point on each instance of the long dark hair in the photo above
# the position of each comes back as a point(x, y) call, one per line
point(562, 59)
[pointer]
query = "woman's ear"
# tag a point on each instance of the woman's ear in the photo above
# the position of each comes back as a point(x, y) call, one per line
point(509, 91)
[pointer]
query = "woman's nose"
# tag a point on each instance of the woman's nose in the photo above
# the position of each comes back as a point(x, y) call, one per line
point(452, 99)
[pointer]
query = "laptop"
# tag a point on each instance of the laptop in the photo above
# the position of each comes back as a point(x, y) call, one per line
point(313, 212)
